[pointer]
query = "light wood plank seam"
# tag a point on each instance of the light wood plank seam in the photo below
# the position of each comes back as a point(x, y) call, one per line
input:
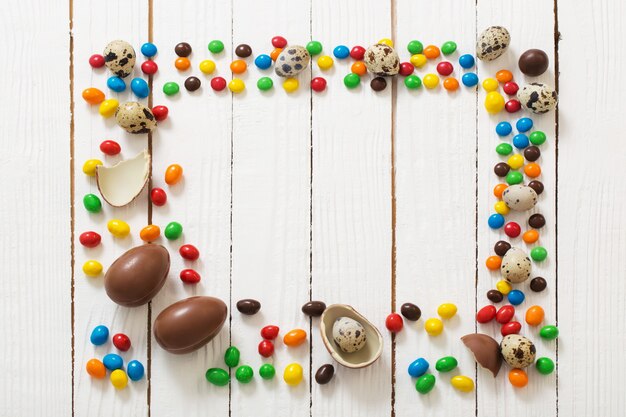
point(72, 195)
point(557, 38)
point(394, 102)
point(149, 318)
point(476, 178)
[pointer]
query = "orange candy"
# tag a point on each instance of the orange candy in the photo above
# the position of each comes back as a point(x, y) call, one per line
point(96, 369)
point(431, 52)
point(359, 68)
point(450, 84)
point(150, 233)
point(182, 63)
point(518, 378)
point(295, 337)
point(493, 263)
point(530, 236)
point(532, 170)
point(93, 95)
point(274, 54)
point(238, 66)
point(504, 76)
point(534, 315)
point(499, 189)
point(173, 174)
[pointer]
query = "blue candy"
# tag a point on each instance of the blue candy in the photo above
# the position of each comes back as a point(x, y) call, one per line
point(466, 61)
point(496, 221)
point(149, 49)
point(418, 367)
point(135, 370)
point(504, 128)
point(263, 61)
point(341, 52)
point(524, 124)
point(116, 84)
point(470, 79)
point(113, 361)
point(516, 297)
point(140, 87)
point(99, 335)
point(520, 141)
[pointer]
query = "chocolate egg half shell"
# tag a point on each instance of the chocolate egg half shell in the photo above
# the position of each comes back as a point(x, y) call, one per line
point(486, 351)
point(189, 324)
point(138, 275)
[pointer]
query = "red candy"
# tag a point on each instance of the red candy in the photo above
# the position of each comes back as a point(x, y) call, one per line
point(160, 113)
point(270, 332)
point(406, 68)
point(318, 84)
point(90, 239)
point(513, 106)
point(512, 327)
point(121, 341)
point(505, 314)
point(96, 61)
point(445, 68)
point(486, 314)
point(357, 53)
point(189, 252)
point(279, 42)
point(189, 276)
point(394, 323)
point(512, 229)
point(266, 348)
point(110, 147)
point(149, 67)
point(510, 88)
point(218, 83)
point(158, 196)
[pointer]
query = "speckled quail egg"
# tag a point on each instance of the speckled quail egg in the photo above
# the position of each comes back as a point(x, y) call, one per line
point(349, 334)
point(382, 59)
point(518, 351)
point(119, 57)
point(135, 118)
point(492, 43)
point(519, 197)
point(516, 266)
point(292, 61)
point(537, 98)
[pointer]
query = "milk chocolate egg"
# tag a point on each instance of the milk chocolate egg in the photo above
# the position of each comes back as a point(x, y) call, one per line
point(138, 275)
point(189, 324)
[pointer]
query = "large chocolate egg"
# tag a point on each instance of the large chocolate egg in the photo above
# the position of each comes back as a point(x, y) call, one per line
point(189, 324)
point(138, 275)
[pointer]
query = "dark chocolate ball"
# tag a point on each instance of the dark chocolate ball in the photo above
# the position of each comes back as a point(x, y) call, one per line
point(533, 62)
point(537, 221)
point(378, 84)
point(501, 247)
point(495, 296)
point(532, 153)
point(243, 50)
point(183, 49)
point(192, 83)
point(501, 169)
point(537, 186)
point(538, 284)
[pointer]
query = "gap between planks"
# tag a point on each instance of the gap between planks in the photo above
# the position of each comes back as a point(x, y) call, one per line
point(72, 193)
point(394, 104)
point(557, 38)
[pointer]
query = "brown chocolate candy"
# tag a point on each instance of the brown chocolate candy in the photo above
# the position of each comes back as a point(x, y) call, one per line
point(243, 50)
point(501, 169)
point(538, 284)
point(533, 62)
point(410, 311)
point(532, 153)
point(501, 247)
point(248, 306)
point(537, 186)
point(495, 296)
point(189, 324)
point(138, 275)
point(183, 49)
point(192, 83)
point(378, 84)
point(486, 351)
point(324, 374)
point(537, 221)
point(314, 308)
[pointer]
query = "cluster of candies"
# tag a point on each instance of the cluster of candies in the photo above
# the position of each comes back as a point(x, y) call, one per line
point(411, 312)
point(113, 362)
point(426, 382)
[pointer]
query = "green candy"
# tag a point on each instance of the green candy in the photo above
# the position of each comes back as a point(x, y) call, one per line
point(448, 48)
point(171, 88)
point(412, 82)
point(216, 46)
point(425, 383)
point(537, 137)
point(351, 80)
point(549, 332)
point(231, 357)
point(415, 47)
point(504, 149)
point(314, 48)
point(217, 376)
point(544, 366)
point(92, 203)
point(265, 83)
point(514, 177)
point(173, 231)
point(539, 253)
point(267, 371)
point(446, 364)
point(244, 374)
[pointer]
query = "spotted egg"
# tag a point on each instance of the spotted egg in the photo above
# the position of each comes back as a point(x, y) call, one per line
point(537, 98)
point(518, 351)
point(135, 118)
point(119, 57)
point(515, 266)
point(292, 61)
point(382, 59)
point(492, 43)
point(349, 334)
point(519, 197)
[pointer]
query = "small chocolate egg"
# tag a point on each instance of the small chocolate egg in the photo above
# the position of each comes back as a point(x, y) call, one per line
point(119, 57)
point(516, 266)
point(486, 351)
point(135, 118)
point(537, 98)
point(349, 334)
point(519, 197)
point(382, 59)
point(518, 351)
point(533, 62)
point(492, 43)
point(292, 61)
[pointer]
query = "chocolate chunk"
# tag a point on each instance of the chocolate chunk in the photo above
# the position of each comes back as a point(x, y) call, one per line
point(324, 374)
point(538, 284)
point(314, 308)
point(410, 311)
point(183, 49)
point(248, 306)
point(501, 247)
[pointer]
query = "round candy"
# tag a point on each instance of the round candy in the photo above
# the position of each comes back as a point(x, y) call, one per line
point(119, 379)
point(99, 335)
point(160, 113)
point(263, 61)
point(431, 52)
point(182, 64)
point(495, 296)
point(89, 239)
point(501, 168)
point(149, 49)
point(357, 53)
point(530, 236)
point(411, 82)
point(446, 310)
point(266, 348)
point(173, 230)
point(524, 124)
point(516, 297)
point(189, 276)
point(466, 61)
point(504, 128)
point(544, 366)
point(448, 48)
point(504, 287)
point(96, 61)
point(231, 357)
point(537, 137)
point(462, 383)
point(158, 196)
point(520, 141)
point(431, 81)
point(267, 371)
point(108, 107)
point(493, 263)
point(217, 376)
point(512, 327)
point(92, 268)
point(532, 153)
point(318, 84)
point(189, 252)
point(533, 62)
point(537, 186)
point(504, 149)
point(113, 361)
point(173, 174)
point(207, 66)
point(486, 314)
point(182, 49)
point(170, 88)
point(294, 337)
point(512, 229)
point(505, 313)
point(140, 88)
point(243, 50)
point(445, 68)
point(244, 374)
point(325, 62)
point(341, 52)
point(470, 79)
point(513, 106)
point(494, 102)
point(275, 53)
point(279, 42)
point(410, 311)
point(518, 378)
point(89, 167)
point(534, 315)
point(516, 161)
point(386, 41)
point(216, 46)
point(116, 84)
point(149, 67)
point(121, 341)
point(496, 221)
point(490, 84)
point(95, 368)
point(394, 323)
point(293, 374)
point(135, 370)
point(236, 85)
point(446, 364)
point(537, 221)
point(238, 66)
point(510, 88)
point(265, 83)
point(314, 48)
point(514, 177)
point(192, 83)
point(418, 60)
point(532, 170)
point(415, 47)
point(450, 84)
point(93, 96)
point(110, 148)
point(501, 247)
point(418, 367)
point(504, 76)
point(499, 189)
point(433, 326)
point(118, 228)
point(290, 85)
point(549, 332)
point(92, 203)
point(538, 253)
point(351, 80)
point(379, 83)
point(501, 208)
point(406, 68)
point(270, 332)
point(425, 384)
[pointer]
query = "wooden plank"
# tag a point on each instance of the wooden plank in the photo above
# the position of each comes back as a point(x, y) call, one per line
point(36, 251)
point(197, 136)
point(270, 207)
point(351, 141)
point(94, 26)
point(591, 232)
point(436, 204)
point(497, 396)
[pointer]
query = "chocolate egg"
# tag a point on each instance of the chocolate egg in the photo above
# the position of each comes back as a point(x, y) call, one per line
point(138, 275)
point(189, 324)
point(486, 351)
point(533, 62)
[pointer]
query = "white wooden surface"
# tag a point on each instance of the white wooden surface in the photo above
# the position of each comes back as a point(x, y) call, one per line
point(289, 198)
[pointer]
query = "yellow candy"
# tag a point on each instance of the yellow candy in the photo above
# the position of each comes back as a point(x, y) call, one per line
point(515, 161)
point(418, 60)
point(433, 327)
point(501, 208)
point(236, 85)
point(89, 167)
point(92, 268)
point(430, 81)
point(119, 379)
point(207, 66)
point(290, 85)
point(494, 102)
point(504, 287)
point(118, 228)
point(293, 374)
point(490, 84)
point(462, 383)
point(386, 41)
point(325, 62)
point(108, 107)
point(447, 310)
